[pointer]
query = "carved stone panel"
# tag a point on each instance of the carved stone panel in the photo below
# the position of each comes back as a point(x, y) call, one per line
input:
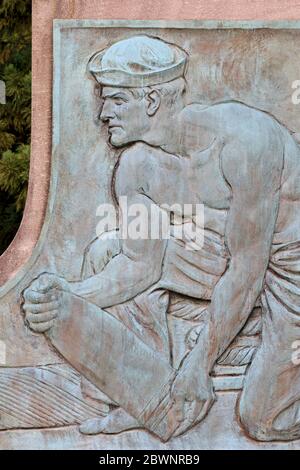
point(161, 306)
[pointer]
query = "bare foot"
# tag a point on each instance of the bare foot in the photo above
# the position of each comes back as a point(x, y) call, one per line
point(116, 421)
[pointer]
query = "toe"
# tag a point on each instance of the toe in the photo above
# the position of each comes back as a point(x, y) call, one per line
point(92, 426)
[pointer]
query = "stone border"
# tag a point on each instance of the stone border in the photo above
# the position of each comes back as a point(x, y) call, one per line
point(184, 24)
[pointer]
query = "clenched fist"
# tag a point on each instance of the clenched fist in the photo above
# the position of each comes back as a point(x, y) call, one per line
point(43, 301)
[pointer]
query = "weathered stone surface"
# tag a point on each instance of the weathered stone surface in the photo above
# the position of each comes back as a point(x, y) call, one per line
point(42, 397)
point(219, 431)
point(43, 12)
point(142, 334)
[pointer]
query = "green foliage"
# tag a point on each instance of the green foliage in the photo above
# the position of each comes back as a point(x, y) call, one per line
point(15, 71)
point(14, 174)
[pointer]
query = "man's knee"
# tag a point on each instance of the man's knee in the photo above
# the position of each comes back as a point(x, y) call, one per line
point(253, 418)
point(267, 427)
point(101, 250)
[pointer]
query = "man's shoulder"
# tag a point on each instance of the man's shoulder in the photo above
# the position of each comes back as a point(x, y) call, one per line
point(140, 152)
point(249, 127)
point(222, 111)
point(143, 159)
point(138, 163)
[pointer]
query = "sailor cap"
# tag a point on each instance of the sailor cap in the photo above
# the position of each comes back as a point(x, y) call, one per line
point(137, 62)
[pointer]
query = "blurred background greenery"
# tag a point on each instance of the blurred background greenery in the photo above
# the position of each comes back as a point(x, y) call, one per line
point(15, 71)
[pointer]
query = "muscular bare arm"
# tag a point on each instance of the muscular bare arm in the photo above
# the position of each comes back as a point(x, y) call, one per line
point(254, 179)
point(139, 263)
point(133, 270)
point(255, 184)
point(136, 268)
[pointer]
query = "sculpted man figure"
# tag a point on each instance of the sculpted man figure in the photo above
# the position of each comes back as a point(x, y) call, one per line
point(244, 167)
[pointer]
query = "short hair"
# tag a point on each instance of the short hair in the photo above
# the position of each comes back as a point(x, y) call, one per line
point(170, 91)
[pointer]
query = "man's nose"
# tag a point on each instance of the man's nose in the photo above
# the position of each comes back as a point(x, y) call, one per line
point(106, 112)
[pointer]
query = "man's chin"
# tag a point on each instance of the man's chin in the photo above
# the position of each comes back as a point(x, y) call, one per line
point(115, 142)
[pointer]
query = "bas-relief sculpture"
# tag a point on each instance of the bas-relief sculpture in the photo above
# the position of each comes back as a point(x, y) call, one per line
point(153, 332)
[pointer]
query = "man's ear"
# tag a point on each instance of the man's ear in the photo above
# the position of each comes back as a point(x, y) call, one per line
point(153, 99)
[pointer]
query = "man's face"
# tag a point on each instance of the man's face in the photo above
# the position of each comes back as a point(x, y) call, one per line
point(125, 115)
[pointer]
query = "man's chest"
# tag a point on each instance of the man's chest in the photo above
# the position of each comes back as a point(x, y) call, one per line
point(196, 179)
point(205, 178)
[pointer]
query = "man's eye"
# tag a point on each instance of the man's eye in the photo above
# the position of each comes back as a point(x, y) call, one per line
point(118, 102)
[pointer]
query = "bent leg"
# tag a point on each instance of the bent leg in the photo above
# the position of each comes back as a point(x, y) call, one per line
point(114, 359)
point(145, 316)
point(269, 405)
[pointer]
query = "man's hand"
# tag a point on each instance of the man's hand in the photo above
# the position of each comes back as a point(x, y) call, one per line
point(192, 394)
point(43, 301)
